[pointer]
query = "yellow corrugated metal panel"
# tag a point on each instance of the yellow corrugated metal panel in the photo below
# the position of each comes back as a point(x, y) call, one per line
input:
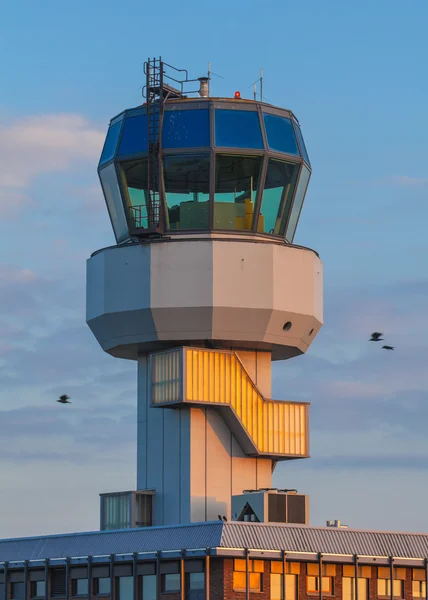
point(218, 377)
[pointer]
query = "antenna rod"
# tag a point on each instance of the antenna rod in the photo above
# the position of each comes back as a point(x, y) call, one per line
point(209, 77)
point(261, 85)
point(255, 91)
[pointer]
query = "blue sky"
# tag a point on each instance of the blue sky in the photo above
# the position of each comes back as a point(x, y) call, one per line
point(354, 74)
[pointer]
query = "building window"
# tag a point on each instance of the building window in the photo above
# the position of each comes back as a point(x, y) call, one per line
point(236, 185)
point(255, 568)
point(195, 581)
point(384, 588)
point(276, 587)
point(17, 591)
point(125, 588)
point(348, 588)
point(79, 587)
point(37, 589)
point(313, 585)
point(419, 585)
point(313, 579)
point(187, 191)
point(276, 580)
point(101, 586)
point(384, 582)
point(171, 582)
point(419, 589)
point(148, 587)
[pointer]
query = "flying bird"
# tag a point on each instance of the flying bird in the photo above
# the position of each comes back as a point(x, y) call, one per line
point(376, 337)
point(64, 399)
point(388, 347)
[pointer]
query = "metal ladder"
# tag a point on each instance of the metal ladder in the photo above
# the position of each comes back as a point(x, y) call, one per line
point(155, 105)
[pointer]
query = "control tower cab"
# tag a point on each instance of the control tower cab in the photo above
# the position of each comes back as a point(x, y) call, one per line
point(205, 288)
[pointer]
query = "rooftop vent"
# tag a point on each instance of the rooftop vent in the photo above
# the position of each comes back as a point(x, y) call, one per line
point(336, 524)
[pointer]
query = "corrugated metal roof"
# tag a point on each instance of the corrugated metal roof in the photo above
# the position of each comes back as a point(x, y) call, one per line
point(328, 540)
point(150, 539)
point(263, 536)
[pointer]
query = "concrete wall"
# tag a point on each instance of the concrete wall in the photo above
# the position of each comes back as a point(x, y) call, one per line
point(238, 294)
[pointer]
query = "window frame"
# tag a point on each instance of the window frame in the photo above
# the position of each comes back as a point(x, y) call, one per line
point(240, 567)
point(422, 584)
point(316, 590)
point(95, 586)
point(17, 597)
point(163, 581)
point(395, 582)
point(74, 587)
point(33, 585)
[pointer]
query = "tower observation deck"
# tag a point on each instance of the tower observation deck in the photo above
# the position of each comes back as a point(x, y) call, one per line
point(205, 289)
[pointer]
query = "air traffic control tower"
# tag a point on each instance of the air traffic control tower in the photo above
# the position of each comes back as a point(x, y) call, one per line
point(205, 289)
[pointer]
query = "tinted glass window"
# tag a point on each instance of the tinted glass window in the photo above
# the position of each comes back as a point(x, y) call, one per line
point(196, 581)
point(280, 135)
point(114, 202)
point(110, 143)
point(134, 178)
point(277, 195)
point(236, 185)
point(148, 587)
point(238, 129)
point(17, 591)
point(102, 586)
point(80, 587)
point(126, 588)
point(297, 204)
point(186, 129)
point(303, 150)
point(134, 136)
point(37, 589)
point(186, 181)
point(171, 582)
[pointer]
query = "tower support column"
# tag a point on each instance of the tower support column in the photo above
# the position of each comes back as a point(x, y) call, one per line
point(190, 457)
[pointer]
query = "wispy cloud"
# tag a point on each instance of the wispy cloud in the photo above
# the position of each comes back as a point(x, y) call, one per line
point(40, 144)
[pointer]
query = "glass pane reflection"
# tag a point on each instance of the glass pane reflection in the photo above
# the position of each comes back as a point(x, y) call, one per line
point(238, 129)
point(134, 184)
point(277, 194)
point(280, 134)
point(186, 180)
point(186, 129)
point(110, 143)
point(148, 587)
point(114, 202)
point(236, 185)
point(126, 588)
point(134, 136)
point(297, 204)
point(302, 143)
point(196, 581)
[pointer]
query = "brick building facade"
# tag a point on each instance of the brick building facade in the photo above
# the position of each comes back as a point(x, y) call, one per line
point(217, 561)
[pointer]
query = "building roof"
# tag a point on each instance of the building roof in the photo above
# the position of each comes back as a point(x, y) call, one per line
point(222, 537)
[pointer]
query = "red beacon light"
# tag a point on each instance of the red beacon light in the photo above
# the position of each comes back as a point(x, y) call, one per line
point(238, 95)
